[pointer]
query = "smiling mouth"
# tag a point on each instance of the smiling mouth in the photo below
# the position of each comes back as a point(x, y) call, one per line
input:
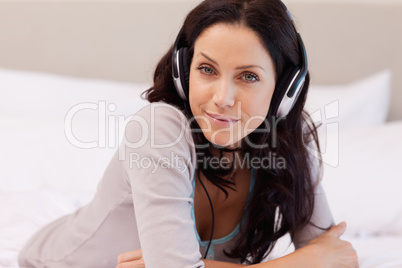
point(222, 118)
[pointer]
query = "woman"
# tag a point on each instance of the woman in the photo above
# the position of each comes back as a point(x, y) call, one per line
point(216, 166)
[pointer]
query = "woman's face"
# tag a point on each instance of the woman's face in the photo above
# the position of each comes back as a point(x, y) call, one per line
point(232, 79)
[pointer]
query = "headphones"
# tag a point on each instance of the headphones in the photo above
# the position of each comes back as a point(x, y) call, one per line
point(292, 79)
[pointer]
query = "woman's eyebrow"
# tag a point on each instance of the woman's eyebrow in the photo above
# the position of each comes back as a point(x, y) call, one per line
point(237, 68)
point(249, 66)
point(208, 58)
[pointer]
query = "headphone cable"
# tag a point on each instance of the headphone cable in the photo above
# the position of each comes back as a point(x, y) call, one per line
point(213, 217)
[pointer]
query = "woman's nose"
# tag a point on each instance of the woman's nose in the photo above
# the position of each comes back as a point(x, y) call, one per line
point(225, 94)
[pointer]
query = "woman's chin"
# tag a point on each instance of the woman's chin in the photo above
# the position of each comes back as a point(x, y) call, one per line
point(225, 142)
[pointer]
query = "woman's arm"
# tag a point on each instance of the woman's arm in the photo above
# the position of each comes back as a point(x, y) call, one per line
point(322, 216)
point(326, 251)
point(301, 258)
point(158, 158)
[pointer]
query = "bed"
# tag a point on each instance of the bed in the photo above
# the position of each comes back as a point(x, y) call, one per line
point(71, 72)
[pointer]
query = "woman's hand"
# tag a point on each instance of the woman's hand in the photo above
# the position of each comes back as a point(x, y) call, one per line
point(131, 259)
point(331, 251)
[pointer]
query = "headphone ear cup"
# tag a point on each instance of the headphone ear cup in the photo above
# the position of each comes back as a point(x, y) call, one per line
point(184, 69)
point(284, 84)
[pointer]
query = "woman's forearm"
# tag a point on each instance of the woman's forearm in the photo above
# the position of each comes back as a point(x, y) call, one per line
point(300, 259)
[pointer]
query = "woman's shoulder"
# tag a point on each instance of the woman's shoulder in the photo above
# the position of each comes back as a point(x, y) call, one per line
point(159, 133)
point(159, 122)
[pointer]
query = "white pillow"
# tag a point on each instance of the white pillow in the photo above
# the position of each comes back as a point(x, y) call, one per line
point(361, 103)
point(35, 149)
point(364, 189)
point(43, 94)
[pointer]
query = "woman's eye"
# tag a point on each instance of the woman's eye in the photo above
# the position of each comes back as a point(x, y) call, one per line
point(250, 77)
point(206, 69)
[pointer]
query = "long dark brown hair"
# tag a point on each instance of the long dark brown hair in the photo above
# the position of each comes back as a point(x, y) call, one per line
point(289, 189)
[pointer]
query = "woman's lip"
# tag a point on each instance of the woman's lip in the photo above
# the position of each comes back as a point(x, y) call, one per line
point(222, 117)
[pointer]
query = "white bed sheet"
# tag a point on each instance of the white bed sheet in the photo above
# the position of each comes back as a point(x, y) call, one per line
point(382, 251)
point(24, 213)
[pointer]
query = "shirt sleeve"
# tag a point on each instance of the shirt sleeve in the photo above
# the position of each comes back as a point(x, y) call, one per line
point(322, 215)
point(158, 157)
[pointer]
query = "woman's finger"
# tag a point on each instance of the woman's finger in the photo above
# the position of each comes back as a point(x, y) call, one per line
point(130, 256)
point(337, 230)
point(132, 264)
